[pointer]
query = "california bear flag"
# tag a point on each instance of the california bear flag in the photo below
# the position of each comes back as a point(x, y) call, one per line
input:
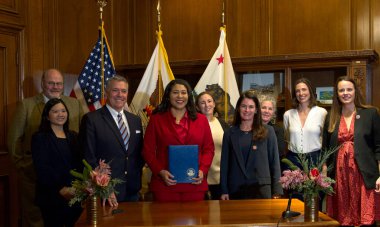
point(219, 79)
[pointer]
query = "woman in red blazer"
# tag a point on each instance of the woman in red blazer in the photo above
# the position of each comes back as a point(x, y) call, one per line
point(176, 122)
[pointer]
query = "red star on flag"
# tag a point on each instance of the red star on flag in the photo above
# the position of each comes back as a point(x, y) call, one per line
point(220, 59)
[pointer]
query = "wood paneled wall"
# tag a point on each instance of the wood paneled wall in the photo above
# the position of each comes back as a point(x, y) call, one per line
point(61, 33)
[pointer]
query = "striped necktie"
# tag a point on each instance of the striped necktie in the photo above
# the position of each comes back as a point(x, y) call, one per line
point(123, 130)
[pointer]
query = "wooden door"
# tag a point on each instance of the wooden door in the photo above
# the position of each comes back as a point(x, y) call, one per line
point(9, 95)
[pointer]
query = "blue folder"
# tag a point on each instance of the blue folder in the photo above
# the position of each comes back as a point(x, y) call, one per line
point(183, 162)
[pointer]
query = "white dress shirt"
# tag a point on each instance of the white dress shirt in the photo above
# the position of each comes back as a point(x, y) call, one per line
point(308, 138)
point(114, 114)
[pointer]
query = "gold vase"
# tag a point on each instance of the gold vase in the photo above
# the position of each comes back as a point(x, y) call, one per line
point(311, 208)
point(92, 210)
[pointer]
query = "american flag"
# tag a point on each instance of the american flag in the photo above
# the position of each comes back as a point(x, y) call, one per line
point(88, 88)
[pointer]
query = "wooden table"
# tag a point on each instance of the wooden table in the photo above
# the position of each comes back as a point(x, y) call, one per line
point(262, 212)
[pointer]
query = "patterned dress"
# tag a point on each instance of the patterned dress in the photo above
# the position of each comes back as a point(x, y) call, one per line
point(352, 203)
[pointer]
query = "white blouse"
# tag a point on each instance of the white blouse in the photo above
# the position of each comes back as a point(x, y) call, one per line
point(308, 138)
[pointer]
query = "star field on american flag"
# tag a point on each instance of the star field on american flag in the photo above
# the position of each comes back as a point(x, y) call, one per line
point(90, 79)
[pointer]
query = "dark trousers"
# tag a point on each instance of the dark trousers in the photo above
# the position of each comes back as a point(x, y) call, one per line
point(312, 158)
point(215, 192)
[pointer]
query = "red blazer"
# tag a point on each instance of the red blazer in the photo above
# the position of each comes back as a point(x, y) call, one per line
point(160, 133)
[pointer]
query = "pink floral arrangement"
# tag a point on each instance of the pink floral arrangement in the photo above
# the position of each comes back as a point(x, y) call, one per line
point(102, 174)
point(310, 181)
point(93, 182)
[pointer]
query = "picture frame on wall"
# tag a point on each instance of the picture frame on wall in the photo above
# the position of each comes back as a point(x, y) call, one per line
point(264, 82)
point(325, 94)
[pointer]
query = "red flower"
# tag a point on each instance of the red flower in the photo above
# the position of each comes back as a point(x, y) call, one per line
point(314, 173)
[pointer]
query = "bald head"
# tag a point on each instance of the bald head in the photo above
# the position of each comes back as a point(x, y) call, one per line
point(52, 83)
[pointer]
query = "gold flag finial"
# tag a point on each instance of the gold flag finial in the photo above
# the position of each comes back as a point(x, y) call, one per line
point(101, 3)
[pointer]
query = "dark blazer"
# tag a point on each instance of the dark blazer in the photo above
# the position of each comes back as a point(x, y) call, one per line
point(102, 140)
point(263, 163)
point(366, 144)
point(53, 173)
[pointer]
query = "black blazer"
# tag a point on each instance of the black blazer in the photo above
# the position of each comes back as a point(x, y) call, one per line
point(366, 144)
point(52, 168)
point(102, 140)
point(263, 163)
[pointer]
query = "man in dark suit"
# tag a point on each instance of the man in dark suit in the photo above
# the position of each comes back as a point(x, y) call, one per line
point(102, 139)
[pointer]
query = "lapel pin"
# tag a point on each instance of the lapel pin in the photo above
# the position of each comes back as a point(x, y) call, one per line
point(254, 147)
point(357, 116)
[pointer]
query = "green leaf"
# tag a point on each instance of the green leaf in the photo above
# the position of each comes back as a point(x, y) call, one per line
point(289, 163)
point(77, 174)
point(88, 166)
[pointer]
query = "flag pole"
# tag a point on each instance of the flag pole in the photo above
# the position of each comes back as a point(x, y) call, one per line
point(222, 13)
point(102, 4)
point(159, 81)
point(158, 14)
point(224, 71)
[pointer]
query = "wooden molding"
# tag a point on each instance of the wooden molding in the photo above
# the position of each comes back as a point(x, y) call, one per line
point(317, 59)
point(9, 7)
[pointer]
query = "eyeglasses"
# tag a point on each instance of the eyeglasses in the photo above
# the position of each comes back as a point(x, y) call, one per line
point(52, 84)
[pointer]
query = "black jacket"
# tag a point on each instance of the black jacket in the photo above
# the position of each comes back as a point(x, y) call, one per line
point(366, 144)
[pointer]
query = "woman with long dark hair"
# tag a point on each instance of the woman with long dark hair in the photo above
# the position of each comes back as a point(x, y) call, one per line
point(250, 166)
point(303, 124)
point(55, 152)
